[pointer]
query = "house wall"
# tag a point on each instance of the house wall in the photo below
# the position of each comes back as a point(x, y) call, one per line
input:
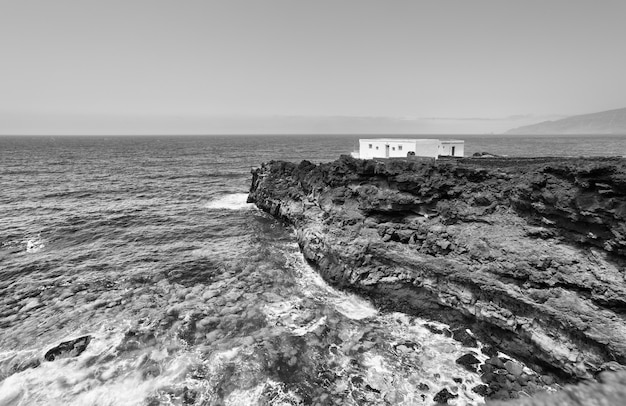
point(427, 147)
point(398, 148)
point(445, 149)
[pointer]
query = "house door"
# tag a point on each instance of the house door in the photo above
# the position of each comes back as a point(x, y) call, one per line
point(387, 151)
point(452, 151)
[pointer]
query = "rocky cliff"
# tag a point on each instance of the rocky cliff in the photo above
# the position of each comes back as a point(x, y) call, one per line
point(530, 254)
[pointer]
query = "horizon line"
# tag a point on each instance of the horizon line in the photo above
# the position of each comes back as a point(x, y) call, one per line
point(240, 134)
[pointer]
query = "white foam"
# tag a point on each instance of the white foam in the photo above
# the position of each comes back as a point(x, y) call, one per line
point(375, 363)
point(233, 201)
point(303, 330)
point(115, 381)
point(437, 354)
point(252, 396)
point(244, 397)
point(34, 244)
point(354, 307)
point(313, 285)
point(432, 360)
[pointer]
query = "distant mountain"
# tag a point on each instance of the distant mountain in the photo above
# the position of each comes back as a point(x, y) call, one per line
point(605, 122)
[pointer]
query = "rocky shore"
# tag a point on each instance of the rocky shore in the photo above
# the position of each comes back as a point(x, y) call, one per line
point(528, 254)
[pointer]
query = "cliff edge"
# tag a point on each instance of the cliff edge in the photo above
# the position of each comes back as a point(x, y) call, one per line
point(529, 254)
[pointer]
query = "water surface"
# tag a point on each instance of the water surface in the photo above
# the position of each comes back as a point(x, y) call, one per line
point(191, 295)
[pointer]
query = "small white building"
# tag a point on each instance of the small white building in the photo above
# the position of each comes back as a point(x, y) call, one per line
point(401, 148)
point(452, 148)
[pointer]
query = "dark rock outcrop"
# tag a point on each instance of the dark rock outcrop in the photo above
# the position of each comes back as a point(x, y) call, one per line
point(529, 254)
point(610, 390)
point(469, 362)
point(443, 396)
point(66, 349)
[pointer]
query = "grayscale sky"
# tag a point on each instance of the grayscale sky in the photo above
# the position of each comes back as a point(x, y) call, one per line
point(142, 66)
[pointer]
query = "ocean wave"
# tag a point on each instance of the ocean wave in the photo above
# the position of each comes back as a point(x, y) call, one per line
point(292, 315)
point(204, 175)
point(34, 244)
point(115, 369)
point(313, 285)
point(233, 201)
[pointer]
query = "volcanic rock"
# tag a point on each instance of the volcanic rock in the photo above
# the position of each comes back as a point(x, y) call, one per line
point(482, 390)
point(514, 368)
point(461, 335)
point(469, 362)
point(528, 253)
point(66, 349)
point(443, 396)
point(583, 394)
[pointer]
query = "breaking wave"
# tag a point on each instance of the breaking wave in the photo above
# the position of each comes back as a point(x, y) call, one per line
point(34, 244)
point(233, 201)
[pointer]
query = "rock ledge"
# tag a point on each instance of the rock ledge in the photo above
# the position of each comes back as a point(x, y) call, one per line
point(529, 254)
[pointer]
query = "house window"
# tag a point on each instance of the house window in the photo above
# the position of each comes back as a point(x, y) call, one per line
point(370, 146)
point(399, 147)
point(376, 146)
point(393, 148)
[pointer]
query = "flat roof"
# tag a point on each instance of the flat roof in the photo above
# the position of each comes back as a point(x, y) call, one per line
point(398, 139)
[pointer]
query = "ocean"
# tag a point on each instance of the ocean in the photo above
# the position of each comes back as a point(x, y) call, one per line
point(191, 296)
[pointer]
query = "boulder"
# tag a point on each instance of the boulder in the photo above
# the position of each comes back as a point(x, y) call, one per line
point(469, 362)
point(443, 396)
point(66, 349)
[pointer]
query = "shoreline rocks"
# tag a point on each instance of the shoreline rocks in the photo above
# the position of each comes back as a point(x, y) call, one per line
point(529, 254)
point(72, 348)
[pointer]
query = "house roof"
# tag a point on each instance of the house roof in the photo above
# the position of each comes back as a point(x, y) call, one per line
point(397, 139)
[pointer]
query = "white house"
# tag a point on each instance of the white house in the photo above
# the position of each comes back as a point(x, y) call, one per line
point(452, 148)
point(401, 148)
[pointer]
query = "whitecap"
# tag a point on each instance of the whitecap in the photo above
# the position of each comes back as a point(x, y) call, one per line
point(34, 244)
point(279, 395)
point(305, 329)
point(114, 379)
point(313, 285)
point(245, 396)
point(232, 201)
point(354, 307)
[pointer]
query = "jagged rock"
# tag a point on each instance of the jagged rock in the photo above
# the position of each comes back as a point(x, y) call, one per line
point(443, 396)
point(482, 390)
point(536, 255)
point(66, 349)
point(469, 362)
point(489, 350)
point(461, 335)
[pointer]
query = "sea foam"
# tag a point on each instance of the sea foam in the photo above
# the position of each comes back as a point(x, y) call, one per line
point(232, 201)
point(34, 244)
point(313, 285)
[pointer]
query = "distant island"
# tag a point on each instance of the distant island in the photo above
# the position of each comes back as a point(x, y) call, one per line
point(605, 122)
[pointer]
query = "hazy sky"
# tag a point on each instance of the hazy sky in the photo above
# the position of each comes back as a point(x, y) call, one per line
point(233, 66)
